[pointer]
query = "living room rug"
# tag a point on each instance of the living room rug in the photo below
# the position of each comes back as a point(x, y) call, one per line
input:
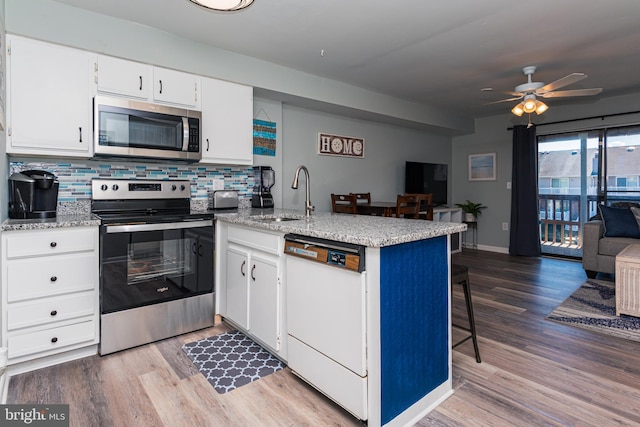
point(593, 306)
point(231, 360)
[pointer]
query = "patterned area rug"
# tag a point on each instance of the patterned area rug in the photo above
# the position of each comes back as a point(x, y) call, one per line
point(231, 360)
point(593, 306)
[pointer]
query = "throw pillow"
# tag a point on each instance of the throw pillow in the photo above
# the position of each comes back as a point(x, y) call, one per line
point(636, 213)
point(619, 222)
point(625, 204)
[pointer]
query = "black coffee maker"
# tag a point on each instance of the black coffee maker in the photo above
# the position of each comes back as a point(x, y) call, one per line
point(265, 178)
point(33, 194)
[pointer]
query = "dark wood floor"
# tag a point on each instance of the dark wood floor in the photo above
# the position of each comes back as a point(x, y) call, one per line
point(533, 372)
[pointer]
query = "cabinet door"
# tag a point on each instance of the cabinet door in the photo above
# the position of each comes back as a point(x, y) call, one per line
point(227, 123)
point(176, 87)
point(264, 297)
point(122, 77)
point(49, 99)
point(237, 286)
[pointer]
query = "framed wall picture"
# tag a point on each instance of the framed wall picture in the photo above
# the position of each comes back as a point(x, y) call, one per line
point(482, 167)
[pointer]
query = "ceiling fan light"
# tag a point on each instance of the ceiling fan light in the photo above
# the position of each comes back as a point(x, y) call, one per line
point(224, 5)
point(541, 107)
point(518, 110)
point(529, 104)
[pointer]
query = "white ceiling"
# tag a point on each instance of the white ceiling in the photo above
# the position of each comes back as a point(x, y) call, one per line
point(441, 53)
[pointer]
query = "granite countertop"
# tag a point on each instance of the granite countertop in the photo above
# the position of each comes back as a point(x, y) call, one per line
point(60, 221)
point(371, 231)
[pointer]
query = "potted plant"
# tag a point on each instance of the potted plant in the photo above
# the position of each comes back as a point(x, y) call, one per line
point(472, 210)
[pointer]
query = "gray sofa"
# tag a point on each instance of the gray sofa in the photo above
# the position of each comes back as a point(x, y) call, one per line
point(599, 252)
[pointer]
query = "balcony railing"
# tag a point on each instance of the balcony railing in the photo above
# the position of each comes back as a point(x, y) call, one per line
point(561, 223)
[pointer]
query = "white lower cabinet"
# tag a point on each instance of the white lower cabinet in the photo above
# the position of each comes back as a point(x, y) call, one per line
point(249, 287)
point(50, 301)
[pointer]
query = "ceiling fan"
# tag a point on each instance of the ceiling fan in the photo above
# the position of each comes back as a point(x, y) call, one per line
point(528, 92)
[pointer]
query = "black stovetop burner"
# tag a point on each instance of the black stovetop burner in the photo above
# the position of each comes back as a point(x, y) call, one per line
point(129, 201)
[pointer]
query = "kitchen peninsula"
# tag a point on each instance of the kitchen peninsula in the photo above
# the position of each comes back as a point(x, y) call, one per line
point(381, 335)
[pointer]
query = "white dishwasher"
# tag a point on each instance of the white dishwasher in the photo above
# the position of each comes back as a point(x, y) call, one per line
point(326, 316)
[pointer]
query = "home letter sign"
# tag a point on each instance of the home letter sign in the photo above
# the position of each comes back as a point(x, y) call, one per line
point(336, 145)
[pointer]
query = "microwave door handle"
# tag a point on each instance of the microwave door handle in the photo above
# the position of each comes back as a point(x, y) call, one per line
point(185, 134)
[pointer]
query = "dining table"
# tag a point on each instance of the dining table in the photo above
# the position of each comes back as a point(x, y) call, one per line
point(388, 209)
point(380, 208)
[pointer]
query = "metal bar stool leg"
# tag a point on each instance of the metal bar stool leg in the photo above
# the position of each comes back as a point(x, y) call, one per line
point(460, 275)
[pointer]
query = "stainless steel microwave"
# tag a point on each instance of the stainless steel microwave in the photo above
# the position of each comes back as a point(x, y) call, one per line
point(128, 128)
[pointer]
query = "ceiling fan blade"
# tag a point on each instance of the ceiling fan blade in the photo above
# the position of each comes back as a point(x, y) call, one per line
point(565, 81)
point(505, 100)
point(504, 92)
point(576, 92)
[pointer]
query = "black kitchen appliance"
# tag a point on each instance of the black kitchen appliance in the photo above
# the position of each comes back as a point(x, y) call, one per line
point(265, 178)
point(156, 261)
point(33, 194)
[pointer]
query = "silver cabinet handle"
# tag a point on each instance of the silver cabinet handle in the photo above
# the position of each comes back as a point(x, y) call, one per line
point(252, 270)
point(242, 268)
point(140, 82)
point(160, 86)
point(80, 129)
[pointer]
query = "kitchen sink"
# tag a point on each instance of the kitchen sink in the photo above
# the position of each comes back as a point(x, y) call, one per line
point(279, 218)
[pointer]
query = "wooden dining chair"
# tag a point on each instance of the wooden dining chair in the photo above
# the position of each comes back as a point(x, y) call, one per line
point(344, 203)
point(363, 197)
point(426, 204)
point(407, 206)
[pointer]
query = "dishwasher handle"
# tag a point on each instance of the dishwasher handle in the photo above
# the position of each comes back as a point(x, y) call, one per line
point(337, 254)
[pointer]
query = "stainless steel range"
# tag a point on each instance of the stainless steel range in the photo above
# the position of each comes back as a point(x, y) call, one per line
point(156, 262)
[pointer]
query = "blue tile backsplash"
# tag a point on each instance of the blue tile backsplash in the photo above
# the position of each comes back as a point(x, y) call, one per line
point(75, 177)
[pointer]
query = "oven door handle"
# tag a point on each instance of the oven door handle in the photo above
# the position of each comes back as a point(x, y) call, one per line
point(129, 228)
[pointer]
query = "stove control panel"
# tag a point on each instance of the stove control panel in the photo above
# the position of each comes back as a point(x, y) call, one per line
point(118, 189)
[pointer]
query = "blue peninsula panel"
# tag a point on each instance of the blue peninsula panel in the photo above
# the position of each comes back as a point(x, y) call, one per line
point(414, 322)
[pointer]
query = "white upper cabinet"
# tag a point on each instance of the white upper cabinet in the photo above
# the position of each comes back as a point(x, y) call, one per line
point(176, 87)
point(227, 123)
point(121, 77)
point(142, 81)
point(49, 99)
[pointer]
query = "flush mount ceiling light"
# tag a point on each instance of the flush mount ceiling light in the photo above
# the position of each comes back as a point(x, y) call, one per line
point(224, 5)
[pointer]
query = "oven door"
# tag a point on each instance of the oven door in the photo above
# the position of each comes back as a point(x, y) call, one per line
point(143, 264)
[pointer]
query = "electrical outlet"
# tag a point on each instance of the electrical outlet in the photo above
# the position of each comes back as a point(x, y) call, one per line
point(505, 226)
point(218, 184)
point(508, 185)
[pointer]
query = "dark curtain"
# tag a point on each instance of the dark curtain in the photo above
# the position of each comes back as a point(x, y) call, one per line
point(525, 232)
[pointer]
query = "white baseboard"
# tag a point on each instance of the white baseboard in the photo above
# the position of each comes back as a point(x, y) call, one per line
point(487, 248)
point(497, 249)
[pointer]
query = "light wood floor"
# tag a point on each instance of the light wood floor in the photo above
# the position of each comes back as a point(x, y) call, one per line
point(533, 372)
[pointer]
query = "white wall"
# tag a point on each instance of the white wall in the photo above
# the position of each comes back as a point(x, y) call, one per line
point(381, 172)
point(492, 136)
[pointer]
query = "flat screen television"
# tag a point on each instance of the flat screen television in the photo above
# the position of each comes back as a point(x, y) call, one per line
point(427, 178)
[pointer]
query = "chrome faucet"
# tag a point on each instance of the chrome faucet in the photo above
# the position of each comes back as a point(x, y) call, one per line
point(308, 207)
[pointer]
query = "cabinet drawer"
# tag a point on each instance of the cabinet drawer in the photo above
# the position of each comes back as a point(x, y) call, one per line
point(49, 242)
point(48, 276)
point(266, 242)
point(332, 379)
point(51, 339)
point(48, 310)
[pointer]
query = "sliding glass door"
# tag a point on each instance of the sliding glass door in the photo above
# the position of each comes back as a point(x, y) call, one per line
point(576, 172)
point(567, 184)
point(621, 165)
